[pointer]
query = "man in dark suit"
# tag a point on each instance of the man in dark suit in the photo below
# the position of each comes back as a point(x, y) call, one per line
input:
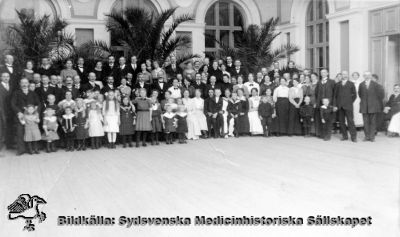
point(229, 64)
point(275, 69)
point(111, 69)
point(344, 97)
point(206, 62)
point(109, 86)
point(46, 69)
point(213, 84)
point(207, 110)
point(173, 69)
point(215, 71)
point(19, 100)
point(45, 89)
point(325, 89)
point(141, 84)
point(82, 70)
point(6, 134)
point(58, 90)
point(160, 86)
point(69, 86)
point(122, 70)
point(215, 111)
point(91, 85)
point(198, 85)
point(11, 70)
point(239, 70)
point(134, 69)
point(371, 96)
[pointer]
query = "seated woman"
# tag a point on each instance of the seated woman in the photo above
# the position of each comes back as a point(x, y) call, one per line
point(392, 109)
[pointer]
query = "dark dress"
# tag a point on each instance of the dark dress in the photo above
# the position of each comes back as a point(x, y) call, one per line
point(127, 116)
point(182, 126)
point(282, 112)
point(156, 118)
point(294, 127)
point(80, 131)
point(243, 124)
point(68, 123)
point(169, 124)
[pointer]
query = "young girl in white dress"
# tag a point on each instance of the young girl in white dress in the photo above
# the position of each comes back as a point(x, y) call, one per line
point(194, 131)
point(111, 118)
point(254, 120)
point(95, 122)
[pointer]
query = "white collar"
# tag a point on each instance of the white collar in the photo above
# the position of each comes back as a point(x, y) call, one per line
point(68, 116)
point(169, 115)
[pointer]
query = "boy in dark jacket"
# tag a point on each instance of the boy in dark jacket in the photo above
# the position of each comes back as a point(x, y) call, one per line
point(326, 119)
point(307, 115)
point(265, 111)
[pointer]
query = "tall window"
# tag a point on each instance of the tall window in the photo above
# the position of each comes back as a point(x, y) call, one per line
point(120, 5)
point(223, 20)
point(317, 39)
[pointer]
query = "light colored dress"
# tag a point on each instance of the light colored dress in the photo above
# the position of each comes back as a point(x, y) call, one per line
point(358, 118)
point(254, 119)
point(111, 117)
point(198, 112)
point(32, 132)
point(95, 120)
point(194, 130)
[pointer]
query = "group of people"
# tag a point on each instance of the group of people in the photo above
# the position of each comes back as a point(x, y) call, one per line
point(133, 103)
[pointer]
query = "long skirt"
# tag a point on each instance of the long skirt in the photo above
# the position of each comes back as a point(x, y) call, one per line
point(201, 119)
point(282, 113)
point(194, 129)
point(143, 121)
point(394, 125)
point(242, 124)
point(294, 127)
point(156, 124)
point(255, 123)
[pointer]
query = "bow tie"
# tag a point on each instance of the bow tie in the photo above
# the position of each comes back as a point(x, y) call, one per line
point(80, 66)
point(251, 84)
point(176, 88)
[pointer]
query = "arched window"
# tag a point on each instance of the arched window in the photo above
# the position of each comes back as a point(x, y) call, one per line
point(118, 6)
point(317, 39)
point(223, 20)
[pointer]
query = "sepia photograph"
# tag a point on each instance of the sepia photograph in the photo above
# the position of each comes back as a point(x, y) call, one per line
point(200, 118)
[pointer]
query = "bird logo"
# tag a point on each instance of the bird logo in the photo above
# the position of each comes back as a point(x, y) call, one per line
point(27, 207)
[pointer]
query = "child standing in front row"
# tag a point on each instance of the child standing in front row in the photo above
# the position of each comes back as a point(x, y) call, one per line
point(169, 124)
point(266, 111)
point(155, 118)
point(32, 133)
point(95, 122)
point(181, 124)
point(50, 126)
point(81, 131)
point(326, 119)
point(307, 115)
point(111, 118)
point(127, 117)
point(68, 122)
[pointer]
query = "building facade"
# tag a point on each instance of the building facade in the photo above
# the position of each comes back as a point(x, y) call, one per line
point(351, 35)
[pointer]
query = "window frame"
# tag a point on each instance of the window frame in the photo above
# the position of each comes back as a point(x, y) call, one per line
point(218, 28)
point(313, 63)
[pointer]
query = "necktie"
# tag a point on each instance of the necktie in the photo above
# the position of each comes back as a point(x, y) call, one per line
point(7, 86)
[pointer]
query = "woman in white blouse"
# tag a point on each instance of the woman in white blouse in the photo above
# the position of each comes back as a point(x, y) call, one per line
point(198, 111)
point(281, 99)
point(295, 99)
point(240, 85)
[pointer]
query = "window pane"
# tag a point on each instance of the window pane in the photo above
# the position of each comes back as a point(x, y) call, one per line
point(237, 17)
point(224, 37)
point(310, 57)
point(236, 38)
point(320, 56)
point(327, 32)
point(310, 32)
point(320, 32)
point(223, 14)
point(320, 9)
point(210, 16)
point(327, 57)
point(210, 38)
point(310, 15)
